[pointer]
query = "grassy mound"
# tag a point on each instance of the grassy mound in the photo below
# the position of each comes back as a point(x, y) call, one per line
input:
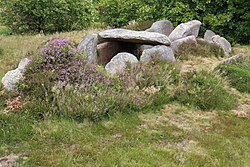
point(204, 49)
point(238, 74)
point(60, 82)
point(205, 91)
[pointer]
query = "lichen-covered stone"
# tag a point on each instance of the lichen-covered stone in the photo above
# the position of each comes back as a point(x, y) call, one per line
point(119, 62)
point(186, 29)
point(141, 37)
point(88, 46)
point(158, 52)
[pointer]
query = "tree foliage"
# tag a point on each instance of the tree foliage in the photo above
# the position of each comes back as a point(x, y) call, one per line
point(47, 15)
point(229, 18)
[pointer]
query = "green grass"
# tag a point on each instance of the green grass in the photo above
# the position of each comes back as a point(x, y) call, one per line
point(176, 135)
point(4, 31)
point(205, 91)
point(129, 140)
point(238, 74)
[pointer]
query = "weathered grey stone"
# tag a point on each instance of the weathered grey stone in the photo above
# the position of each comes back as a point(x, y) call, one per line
point(11, 79)
point(119, 62)
point(161, 51)
point(23, 63)
point(186, 29)
point(223, 43)
point(143, 47)
point(208, 35)
point(231, 59)
point(88, 46)
point(163, 26)
point(141, 37)
point(177, 43)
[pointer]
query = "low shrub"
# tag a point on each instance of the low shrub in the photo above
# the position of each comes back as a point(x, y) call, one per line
point(237, 73)
point(204, 49)
point(205, 91)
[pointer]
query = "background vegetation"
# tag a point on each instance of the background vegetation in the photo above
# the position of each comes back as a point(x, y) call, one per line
point(159, 114)
point(227, 18)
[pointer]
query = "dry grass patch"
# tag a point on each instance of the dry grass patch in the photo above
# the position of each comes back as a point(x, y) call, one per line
point(179, 116)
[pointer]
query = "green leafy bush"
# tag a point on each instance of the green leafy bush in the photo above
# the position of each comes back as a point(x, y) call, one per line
point(238, 74)
point(47, 16)
point(227, 18)
point(205, 91)
point(203, 49)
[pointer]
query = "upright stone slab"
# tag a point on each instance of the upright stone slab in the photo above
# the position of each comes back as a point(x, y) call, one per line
point(223, 43)
point(107, 50)
point(208, 35)
point(88, 46)
point(163, 26)
point(161, 51)
point(119, 63)
point(23, 64)
point(130, 36)
point(185, 29)
point(177, 43)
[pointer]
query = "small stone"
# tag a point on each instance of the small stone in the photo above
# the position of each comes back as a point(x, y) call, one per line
point(161, 51)
point(23, 64)
point(119, 62)
point(231, 59)
point(11, 79)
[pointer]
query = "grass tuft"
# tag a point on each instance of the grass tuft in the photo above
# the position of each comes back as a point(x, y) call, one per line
point(238, 74)
point(4, 31)
point(205, 91)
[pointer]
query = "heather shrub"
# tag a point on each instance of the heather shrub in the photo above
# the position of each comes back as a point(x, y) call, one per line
point(237, 73)
point(205, 91)
point(157, 78)
point(60, 82)
point(203, 49)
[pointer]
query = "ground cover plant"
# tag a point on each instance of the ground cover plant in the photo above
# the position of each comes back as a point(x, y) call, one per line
point(205, 91)
point(203, 49)
point(237, 73)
